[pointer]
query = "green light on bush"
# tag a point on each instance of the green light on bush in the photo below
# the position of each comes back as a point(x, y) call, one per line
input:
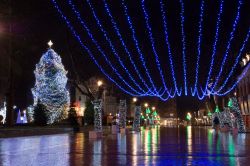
point(148, 111)
point(230, 103)
point(217, 109)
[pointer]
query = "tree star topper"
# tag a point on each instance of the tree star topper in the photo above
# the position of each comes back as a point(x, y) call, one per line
point(50, 43)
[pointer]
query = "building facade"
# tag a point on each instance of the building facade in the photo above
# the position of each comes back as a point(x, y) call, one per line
point(243, 95)
point(168, 114)
point(110, 105)
point(78, 99)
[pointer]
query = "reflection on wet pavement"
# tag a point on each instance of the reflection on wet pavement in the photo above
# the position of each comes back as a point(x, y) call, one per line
point(157, 146)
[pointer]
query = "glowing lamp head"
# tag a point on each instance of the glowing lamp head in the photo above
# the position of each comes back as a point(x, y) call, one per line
point(134, 99)
point(146, 105)
point(99, 83)
point(153, 108)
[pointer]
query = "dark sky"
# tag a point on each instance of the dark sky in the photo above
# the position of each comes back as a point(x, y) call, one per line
point(36, 22)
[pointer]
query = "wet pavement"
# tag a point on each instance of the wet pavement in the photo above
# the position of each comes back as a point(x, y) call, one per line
point(157, 146)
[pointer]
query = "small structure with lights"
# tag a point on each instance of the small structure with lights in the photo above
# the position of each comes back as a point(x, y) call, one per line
point(97, 102)
point(137, 119)
point(3, 113)
point(122, 116)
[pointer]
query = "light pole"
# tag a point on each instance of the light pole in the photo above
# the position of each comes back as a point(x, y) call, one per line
point(189, 116)
point(10, 95)
point(97, 102)
point(133, 105)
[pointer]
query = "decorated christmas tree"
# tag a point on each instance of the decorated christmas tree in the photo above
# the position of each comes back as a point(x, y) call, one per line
point(50, 86)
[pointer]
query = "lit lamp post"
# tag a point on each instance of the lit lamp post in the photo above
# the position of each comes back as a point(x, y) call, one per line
point(137, 116)
point(122, 116)
point(134, 102)
point(97, 102)
point(189, 116)
point(146, 105)
point(153, 116)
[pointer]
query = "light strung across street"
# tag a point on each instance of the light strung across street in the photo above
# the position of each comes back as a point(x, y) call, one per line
point(133, 74)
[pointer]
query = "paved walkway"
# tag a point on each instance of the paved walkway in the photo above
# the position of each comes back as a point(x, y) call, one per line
point(157, 146)
point(21, 131)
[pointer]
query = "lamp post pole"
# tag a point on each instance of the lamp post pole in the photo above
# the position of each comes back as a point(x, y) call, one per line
point(97, 102)
point(9, 95)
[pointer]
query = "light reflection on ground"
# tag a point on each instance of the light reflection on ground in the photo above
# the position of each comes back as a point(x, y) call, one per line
point(157, 146)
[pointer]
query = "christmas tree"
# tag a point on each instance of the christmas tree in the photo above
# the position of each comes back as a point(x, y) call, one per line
point(50, 86)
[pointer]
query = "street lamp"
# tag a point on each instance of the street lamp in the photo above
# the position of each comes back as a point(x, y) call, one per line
point(146, 105)
point(153, 108)
point(189, 116)
point(99, 83)
point(134, 99)
point(97, 102)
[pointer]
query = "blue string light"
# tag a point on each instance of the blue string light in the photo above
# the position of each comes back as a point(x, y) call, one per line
point(236, 62)
point(168, 45)
point(146, 17)
point(164, 99)
point(111, 46)
point(215, 44)
point(200, 97)
point(123, 43)
point(137, 44)
point(88, 50)
point(235, 84)
point(198, 49)
point(183, 46)
point(228, 44)
point(163, 92)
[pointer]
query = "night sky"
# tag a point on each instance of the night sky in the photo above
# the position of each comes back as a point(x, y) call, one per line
point(36, 22)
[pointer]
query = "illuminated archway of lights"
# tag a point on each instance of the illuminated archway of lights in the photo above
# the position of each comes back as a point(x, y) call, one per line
point(139, 80)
